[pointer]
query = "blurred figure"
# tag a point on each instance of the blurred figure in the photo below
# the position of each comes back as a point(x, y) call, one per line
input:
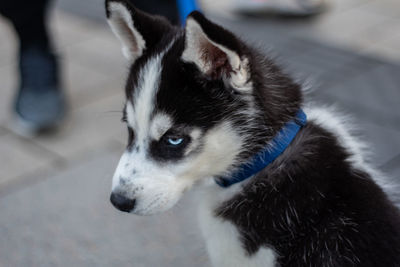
point(40, 103)
point(279, 7)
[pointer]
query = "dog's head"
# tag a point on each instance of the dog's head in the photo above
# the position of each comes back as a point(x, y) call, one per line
point(198, 102)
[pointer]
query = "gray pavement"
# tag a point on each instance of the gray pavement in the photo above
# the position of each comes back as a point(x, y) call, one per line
point(66, 220)
point(54, 189)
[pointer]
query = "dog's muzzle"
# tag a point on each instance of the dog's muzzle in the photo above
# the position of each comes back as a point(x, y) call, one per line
point(121, 202)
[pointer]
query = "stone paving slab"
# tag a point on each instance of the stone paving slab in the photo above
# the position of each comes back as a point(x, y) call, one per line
point(2, 131)
point(369, 27)
point(383, 144)
point(378, 89)
point(101, 54)
point(67, 29)
point(7, 44)
point(87, 128)
point(93, 9)
point(84, 85)
point(301, 56)
point(374, 95)
point(19, 157)
point(392, 171)
point(7, 90)
point(345, 25)
point(67, 220)
point(388, 8)
point(63, 218)
point(322, 64)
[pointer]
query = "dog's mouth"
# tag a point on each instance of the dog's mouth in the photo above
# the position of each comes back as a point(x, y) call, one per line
point(146, 201)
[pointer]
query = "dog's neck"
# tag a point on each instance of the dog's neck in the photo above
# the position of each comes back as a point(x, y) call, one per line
point(267, 155)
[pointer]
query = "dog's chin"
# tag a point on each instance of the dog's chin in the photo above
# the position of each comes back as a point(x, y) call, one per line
point(146, 212)
point(154, 208)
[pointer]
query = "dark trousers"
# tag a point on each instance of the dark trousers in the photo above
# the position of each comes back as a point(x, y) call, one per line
point(29, 17)
point(29, 21)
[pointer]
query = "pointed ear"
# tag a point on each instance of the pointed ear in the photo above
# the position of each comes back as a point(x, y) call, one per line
point(216, 52)
point(137, 30)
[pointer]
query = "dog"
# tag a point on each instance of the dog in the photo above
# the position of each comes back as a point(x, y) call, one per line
point(284, 183)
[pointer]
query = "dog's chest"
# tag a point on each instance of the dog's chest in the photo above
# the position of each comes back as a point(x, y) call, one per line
point(222, 237)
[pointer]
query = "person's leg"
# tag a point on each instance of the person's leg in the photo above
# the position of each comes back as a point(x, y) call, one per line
point(39, 103)
point(28, 19)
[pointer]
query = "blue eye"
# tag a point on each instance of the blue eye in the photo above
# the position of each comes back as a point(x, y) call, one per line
point(175, 141)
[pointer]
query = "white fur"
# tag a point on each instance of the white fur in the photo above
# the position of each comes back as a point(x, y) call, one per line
point(122, 25)
point(156, 186)
point(160, 124)
point(220, 147)
point(130, 115)
point(134, 170)
point(222, 238)
point(195, 42)
point(195, 135)
point(149, 79)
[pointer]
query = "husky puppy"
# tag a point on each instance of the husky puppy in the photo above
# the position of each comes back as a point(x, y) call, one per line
point(284, 185)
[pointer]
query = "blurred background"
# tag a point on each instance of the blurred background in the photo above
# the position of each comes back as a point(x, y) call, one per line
point(55, 186)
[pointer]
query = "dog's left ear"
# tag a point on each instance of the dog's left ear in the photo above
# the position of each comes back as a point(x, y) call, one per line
point(138, 31)
point(216, 52)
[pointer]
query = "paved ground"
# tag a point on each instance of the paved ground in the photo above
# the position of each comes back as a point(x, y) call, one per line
point(54, 189)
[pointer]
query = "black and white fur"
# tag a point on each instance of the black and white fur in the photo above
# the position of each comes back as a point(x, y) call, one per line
point(200, 102)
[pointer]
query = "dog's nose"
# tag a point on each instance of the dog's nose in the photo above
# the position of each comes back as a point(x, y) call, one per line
point(121, 202)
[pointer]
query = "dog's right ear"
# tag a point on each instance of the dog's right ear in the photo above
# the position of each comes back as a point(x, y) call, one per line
point(137, 30)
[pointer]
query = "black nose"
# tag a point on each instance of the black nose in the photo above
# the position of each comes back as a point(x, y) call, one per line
point(121, 202)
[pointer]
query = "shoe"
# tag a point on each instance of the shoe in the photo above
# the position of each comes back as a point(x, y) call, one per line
point(40, 102)
point(296, 8)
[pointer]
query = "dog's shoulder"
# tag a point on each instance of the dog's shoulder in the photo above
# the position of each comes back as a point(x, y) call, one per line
point(320, 201)
point(349, 136)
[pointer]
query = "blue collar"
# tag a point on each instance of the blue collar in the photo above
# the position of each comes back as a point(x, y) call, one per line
point(276, 147)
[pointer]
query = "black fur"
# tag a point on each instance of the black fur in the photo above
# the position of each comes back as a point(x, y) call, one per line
point(164, 151)
point(195, 99)
point(310, 205)
point(155, 30)
point(315, 209)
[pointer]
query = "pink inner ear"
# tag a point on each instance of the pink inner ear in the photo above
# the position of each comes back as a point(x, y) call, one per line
point(216, 59)
point(129, 35)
